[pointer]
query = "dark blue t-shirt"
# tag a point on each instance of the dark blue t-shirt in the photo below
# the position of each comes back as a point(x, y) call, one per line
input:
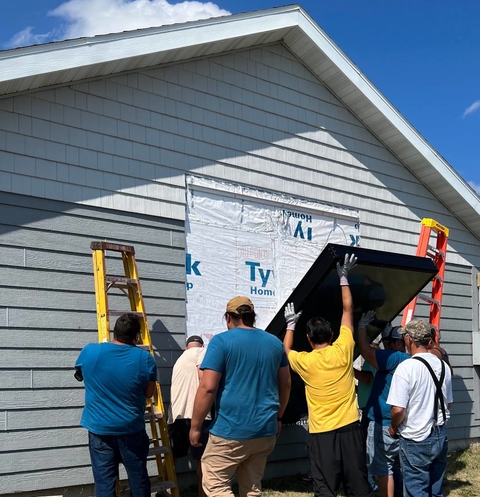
point(247, 399)
point(115, 378)
point(377, 408)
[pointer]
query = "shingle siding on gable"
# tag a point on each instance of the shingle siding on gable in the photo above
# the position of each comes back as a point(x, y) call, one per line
point(257, 117)
point(108, 158)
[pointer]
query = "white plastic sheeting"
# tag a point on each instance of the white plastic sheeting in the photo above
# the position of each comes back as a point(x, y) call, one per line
point(241, 241)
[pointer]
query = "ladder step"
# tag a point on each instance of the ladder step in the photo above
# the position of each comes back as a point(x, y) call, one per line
point(427, 298)
point(154, 451)
point(433, 251)
point(162, 485)
point(153, 415)
point(156, 487)
point(118, 280)
point(143, 346)
point(114, 247)
point(120, 313)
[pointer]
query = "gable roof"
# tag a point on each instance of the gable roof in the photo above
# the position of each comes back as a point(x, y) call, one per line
point(40, 66)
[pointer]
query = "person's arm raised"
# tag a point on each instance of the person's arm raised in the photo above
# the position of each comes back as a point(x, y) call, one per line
point(347, 302)
point(366, 350)
point(291, 318)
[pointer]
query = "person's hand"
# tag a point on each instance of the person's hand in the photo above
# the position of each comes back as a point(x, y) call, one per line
point(195, 437)
point(349, 263)
point(387, 330)
point(290, 317)
point(366, 319)
point(279, 427)
point(392, 432)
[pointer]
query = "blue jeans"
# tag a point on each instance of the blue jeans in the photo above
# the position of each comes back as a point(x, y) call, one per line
point(424, 464)
point(107, 451)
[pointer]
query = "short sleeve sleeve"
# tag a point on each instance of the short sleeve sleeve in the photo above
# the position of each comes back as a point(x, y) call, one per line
point(81, 357)
point(399, 389)
point(200, 356)
point(284, 360)
point(215, 355)
point(345, 344)
point(298, 362)
point(151, 369)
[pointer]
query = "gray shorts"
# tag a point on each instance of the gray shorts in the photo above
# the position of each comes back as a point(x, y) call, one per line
point(382, 450)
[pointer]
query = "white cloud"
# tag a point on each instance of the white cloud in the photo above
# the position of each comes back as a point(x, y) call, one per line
point(475, 186)
point(93, 17)
point(472, 108)
point(27, 37)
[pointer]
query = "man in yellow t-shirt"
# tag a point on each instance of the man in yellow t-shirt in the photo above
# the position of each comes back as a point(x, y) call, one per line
point(337, 447)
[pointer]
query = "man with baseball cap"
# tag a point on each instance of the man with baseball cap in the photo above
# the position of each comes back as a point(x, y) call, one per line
point(186, 375)
point(382, 448)
point(420, 396)
point(247, 370)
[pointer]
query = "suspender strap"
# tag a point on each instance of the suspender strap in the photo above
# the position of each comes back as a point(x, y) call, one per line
point(438, 384)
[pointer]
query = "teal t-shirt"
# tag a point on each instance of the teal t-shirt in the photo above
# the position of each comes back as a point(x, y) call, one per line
point(363, 391)
point(247, 399)
point(115, 378)
point(377, 408)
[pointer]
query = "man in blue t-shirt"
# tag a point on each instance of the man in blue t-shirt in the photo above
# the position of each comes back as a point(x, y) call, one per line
point(382, 449)
point(247, 370)
point(118, 379)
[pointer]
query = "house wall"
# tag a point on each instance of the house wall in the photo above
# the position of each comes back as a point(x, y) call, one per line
point(107, 159)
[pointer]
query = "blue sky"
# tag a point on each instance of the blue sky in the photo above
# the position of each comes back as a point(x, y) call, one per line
point(423, 55)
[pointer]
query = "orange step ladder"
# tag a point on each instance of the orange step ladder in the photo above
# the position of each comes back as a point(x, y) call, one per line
point(439, 256)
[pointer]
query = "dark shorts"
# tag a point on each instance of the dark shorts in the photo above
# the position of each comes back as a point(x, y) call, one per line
point(337, 457)
point(179, 433)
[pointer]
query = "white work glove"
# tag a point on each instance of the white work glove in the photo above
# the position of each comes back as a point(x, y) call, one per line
point(290, 317)
point(386, 331)
point(366, 319)
point(349, 263)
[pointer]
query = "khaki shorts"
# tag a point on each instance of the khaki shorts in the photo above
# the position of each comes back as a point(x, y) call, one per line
point(247, 458)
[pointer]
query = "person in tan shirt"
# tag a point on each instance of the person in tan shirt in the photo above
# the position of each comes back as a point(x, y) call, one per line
point(186, 376)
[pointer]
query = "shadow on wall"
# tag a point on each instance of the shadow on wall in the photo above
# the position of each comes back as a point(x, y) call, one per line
point(176, 129)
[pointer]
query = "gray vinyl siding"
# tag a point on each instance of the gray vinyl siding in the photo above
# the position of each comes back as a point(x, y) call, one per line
point(256, 117)
point(107, 159)
point(47, 314)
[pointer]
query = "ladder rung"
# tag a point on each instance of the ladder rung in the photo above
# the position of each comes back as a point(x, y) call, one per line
point(432, 252)
point(114, 247)
point(162, 485)
point(120, 313)
point(156, 487)
point(143, 346)
point(154, 451)
point(428, 299)
point(116, 280)
point(153, 415)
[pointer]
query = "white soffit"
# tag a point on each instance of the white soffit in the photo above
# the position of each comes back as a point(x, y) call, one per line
point(30, 68)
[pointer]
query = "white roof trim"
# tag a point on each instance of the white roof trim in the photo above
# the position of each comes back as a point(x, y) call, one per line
point(64, 62)
point(74, 54)
point(346, 66)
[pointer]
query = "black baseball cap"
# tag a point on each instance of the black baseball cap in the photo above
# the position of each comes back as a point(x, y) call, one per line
point(195, 338)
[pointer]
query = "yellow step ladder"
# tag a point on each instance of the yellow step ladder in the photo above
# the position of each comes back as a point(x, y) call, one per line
point(129, 284)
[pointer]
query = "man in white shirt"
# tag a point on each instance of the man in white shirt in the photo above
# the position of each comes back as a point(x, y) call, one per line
point(420, 396)
point(186, 377)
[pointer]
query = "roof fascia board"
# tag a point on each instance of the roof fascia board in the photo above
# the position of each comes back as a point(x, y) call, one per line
point(64, 56)
point(326, 45)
